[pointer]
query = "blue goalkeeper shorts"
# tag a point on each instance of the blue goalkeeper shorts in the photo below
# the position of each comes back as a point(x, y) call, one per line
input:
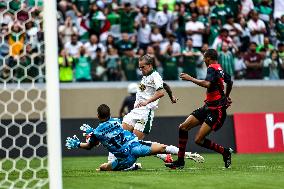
point(128, 158)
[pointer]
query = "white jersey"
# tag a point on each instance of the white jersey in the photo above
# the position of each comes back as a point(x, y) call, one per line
point(148, 86)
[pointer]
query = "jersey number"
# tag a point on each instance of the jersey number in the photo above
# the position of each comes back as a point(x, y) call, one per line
point(118, 140)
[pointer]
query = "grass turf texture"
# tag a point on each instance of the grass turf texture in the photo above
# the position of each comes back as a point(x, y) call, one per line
point(261, 171)
point(247, 171)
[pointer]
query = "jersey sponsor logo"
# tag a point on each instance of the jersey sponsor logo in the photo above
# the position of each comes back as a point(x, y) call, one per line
point(142, 87)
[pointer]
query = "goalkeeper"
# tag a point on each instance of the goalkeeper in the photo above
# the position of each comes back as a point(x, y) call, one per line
point(122, 143)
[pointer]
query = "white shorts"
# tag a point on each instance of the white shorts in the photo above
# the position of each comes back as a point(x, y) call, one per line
point(140, 119)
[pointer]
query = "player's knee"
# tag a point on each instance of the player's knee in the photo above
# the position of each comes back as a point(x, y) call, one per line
point(198, 140)
point(183, 127)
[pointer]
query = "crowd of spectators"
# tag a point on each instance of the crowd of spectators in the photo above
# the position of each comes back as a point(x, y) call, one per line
point(101, 40)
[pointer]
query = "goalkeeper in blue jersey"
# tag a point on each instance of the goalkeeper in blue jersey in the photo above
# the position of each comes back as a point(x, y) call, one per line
point(122, 143)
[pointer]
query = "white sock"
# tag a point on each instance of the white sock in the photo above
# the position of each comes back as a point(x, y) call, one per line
point(161, 156)
point(133, 167)
point(110, 157)
point(172, 150)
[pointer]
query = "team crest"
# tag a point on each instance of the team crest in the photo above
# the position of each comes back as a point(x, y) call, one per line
point(142, 87)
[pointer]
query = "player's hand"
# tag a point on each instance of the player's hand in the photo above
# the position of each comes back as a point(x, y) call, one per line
point(86, 128)
point(140, 104)
point(72, 143)
point(174, 100)
point(229, 102)
point(185, 76)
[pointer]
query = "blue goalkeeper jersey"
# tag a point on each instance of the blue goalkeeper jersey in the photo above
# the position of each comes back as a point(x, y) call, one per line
point(112, 136)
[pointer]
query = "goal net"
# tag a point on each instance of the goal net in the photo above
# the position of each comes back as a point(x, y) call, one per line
point(25, 96)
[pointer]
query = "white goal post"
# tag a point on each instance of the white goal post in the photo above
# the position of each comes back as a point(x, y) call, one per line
point(52, 95)
point(30, 130)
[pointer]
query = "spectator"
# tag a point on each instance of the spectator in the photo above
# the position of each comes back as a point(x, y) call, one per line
point(222, 10)
point(240, 67)
point(213, 29)
point(112, 65)
point(73, 47)
point(156, 37)
point(16, 39)
point(190, 58)
point(195, 30)
point(281, 56)
point(176, 50)
point(83, 66)
point(280, 30)
point(267, 47)
point(203, 6)
point(273, 64)
point(224, 38)
point(67, 30)
point(235, 6)
point(226, 59)
point(65, 67)
point(246, 7)
point(124, 44)
point(257, 28)
point(254, 63)
point(201, 68)
point(163, 20)
point(93, 45)
point(129, 65)
point(110, 43)
point(127, 19)
point(235, 30)
point(98, 68)
point(144, 32)
point(170, 64)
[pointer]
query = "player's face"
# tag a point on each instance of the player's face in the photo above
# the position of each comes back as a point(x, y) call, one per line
point(145, 68)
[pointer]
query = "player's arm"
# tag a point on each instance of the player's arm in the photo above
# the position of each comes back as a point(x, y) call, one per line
point(157, 95)
point(202, 83)
point(229, 84)
point(169, 92)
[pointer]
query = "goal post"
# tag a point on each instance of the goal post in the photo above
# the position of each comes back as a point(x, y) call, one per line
point(52, 95)
point(30, 131)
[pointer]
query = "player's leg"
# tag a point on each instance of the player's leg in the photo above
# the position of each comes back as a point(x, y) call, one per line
point(214, 121)
point(192, 121)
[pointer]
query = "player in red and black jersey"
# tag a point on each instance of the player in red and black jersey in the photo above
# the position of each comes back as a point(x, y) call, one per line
point(212, 115)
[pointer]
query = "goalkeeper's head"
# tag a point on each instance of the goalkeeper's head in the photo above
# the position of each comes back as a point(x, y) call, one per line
point(103, 112)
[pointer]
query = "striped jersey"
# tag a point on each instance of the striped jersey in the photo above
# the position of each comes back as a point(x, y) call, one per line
point(215, 95)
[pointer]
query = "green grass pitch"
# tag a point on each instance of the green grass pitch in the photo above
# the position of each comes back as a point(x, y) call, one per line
point(261, 171)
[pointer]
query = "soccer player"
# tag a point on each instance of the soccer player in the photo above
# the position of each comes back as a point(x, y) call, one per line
point(212, 115)
point(150, 90)
point(122, 143)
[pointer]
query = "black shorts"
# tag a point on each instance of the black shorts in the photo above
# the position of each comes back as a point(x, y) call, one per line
point(213, 117)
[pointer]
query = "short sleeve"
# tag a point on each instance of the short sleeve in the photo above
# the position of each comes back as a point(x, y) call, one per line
point(158, 81)
point(210, 76)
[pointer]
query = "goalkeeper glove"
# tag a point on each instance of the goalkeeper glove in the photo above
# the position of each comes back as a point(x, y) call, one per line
point(72, 143)
point(86, 128)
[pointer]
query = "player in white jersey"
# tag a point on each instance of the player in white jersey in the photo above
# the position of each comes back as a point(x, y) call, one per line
point(150, 90)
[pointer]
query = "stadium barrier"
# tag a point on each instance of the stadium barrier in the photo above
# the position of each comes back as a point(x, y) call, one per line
point(259, 132)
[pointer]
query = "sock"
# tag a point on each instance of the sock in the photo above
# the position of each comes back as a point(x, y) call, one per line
point(110, 157)
point(182, 141)
point(212, 146)
point(161, 156)
point(172, 150)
